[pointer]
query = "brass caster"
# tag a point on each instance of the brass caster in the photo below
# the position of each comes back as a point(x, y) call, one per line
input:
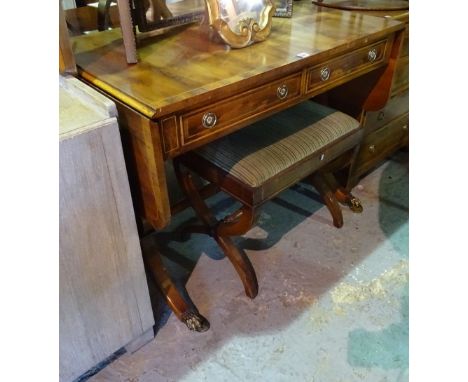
point(355, 205)
point(195, 321)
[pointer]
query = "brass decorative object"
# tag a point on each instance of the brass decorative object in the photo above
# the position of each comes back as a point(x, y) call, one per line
point(325, 73)
point(209, 120)
point(355, 205)
point(241, 22)
point(372, 55)
point(282, 91)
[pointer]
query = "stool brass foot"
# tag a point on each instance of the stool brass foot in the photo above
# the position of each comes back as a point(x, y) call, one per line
point(343, 195)
point(195, 321)
point(354, 204)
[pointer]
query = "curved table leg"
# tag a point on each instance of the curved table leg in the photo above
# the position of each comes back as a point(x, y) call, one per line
point(342, 195)
point(328, 197)
point(188, 315)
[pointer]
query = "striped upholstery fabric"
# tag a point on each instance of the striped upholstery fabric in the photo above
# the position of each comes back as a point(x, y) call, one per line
point(266, 148)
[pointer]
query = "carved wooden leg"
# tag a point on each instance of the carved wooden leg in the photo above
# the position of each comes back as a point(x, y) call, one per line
point(342, 195)
point(235, 224)
point(188, 315)
point(328, 197)
point(241, 263)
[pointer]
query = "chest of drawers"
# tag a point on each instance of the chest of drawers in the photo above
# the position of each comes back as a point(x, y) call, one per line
point(387, 129)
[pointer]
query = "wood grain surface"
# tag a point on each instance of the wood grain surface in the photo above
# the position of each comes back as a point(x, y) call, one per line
point(104, 299)
point(185, 73)
point(364, 5)
point(386, 129)
point(186, 66)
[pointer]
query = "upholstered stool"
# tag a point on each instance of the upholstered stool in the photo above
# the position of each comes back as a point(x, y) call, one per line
point(258, 162)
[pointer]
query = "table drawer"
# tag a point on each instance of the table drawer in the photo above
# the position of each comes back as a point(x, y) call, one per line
point(396, 106)
point(339, 69)
point(212, 119)
point(381, 143)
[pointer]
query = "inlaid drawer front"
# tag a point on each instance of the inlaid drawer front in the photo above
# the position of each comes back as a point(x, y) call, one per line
point(395, 107)
point(222, 115)
point(338, 69)
point(379, 144)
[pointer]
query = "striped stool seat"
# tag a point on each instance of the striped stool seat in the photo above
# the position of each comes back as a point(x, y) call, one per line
point(306, 137)
point(256, 163)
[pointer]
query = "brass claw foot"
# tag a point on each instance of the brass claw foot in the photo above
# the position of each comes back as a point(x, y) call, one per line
point(195, 321)
point(355, 205)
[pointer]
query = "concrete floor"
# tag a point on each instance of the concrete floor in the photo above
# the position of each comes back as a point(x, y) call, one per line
point(332, 304)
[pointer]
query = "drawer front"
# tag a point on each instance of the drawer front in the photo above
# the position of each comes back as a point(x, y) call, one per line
point(341, 68)
point(212, 119)
point(396, 106)
point(381, 143)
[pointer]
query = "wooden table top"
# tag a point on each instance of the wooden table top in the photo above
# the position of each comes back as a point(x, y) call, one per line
point(186, 66)
point(376, 5)
point(395, 9)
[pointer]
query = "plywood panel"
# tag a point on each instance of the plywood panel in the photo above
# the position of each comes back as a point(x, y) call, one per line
point(104, 299)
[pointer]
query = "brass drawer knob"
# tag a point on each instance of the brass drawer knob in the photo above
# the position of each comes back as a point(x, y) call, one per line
point(372, 55)
point(325, 73)
point(405, 127)
point(372, 149)
point(282, 91)
point(209, 120)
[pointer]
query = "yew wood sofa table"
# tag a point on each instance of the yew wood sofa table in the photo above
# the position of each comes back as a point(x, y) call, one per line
point(188, 90)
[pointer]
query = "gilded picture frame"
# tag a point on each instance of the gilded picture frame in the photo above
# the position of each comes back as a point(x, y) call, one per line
point(241, 22)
